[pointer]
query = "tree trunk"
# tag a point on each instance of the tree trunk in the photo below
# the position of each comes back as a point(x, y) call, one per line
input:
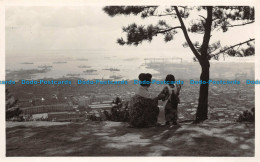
point(202, 111)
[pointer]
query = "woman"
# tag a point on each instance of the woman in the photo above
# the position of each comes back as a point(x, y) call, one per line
point(143, 108)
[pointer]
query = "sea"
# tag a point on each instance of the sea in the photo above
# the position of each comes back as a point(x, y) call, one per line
point(97, 64)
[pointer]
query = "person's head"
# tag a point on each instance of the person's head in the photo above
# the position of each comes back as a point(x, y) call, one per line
point(170, 78)
point(147, 77)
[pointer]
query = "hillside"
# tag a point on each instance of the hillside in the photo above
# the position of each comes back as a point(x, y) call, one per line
point(117, 139)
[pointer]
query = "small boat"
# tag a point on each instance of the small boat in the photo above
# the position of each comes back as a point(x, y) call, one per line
point(83, 66)
point(112, 69)
point(73, 75)
point(115, 77)
point(89, 71)
point(45, 66)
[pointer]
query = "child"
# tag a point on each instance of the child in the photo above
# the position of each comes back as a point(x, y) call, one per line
point(170, 94)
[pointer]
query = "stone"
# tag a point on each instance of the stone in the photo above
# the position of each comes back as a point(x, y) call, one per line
point(244, 146)
point(220, 114)
point(193, 113)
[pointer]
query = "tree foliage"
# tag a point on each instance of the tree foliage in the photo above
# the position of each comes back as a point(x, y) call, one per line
point(223, 18)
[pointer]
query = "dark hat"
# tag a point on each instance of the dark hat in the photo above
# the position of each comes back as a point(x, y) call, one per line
point(145, 76)
point(170, 77)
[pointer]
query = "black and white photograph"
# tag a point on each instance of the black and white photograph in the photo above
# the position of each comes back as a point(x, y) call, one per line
point(130, 80)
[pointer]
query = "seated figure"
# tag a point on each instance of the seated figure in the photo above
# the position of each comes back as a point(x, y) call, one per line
point(143, 108)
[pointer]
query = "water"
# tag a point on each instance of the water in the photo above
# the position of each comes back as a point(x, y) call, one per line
point(126, 64)
point(129, 64)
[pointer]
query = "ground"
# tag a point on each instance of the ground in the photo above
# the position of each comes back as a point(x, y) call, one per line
point(117, 139)
point(221, 135)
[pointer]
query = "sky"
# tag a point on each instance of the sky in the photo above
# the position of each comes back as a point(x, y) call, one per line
point(40, 28)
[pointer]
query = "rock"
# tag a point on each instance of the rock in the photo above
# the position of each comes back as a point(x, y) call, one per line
point(193, 113)
point(220, 114)
point(244, 146)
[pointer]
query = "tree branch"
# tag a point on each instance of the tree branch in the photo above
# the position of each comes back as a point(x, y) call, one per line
point(160, 15)
point(239, 44)
point(202, 17)
point(195, 52)
point(163, 31)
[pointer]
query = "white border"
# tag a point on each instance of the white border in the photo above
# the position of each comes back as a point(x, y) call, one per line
point(3, 4)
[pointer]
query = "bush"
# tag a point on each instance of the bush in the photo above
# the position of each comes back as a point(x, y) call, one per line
point(119, 113)
point(247, 116)
point(12, 111)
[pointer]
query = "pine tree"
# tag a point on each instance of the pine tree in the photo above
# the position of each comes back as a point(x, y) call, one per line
point(220, 18)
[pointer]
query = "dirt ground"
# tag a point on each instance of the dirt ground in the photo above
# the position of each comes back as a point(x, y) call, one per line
point(117, 139)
